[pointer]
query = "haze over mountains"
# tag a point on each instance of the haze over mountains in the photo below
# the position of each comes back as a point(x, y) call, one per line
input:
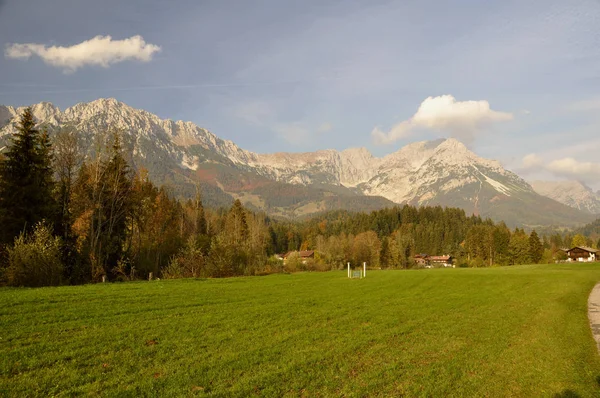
point(442, 172)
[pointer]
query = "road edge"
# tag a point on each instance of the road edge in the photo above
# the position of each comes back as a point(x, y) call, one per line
point(594, 314)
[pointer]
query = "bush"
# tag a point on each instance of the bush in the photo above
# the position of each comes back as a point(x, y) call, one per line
point(173, 271)
point(188, 263)
point(293, 263)
point(35, 259)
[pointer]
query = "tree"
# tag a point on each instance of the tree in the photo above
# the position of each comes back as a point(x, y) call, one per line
point(67, 159)
point(26, 180)
point(578, 240)
point(536, 250)
point(103, 201)
point(518, 248)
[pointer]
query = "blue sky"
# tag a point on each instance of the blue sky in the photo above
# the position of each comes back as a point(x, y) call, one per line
point(518, 81)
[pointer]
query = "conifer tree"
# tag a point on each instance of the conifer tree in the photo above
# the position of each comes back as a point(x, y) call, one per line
point(26, 180)
point(536, 250)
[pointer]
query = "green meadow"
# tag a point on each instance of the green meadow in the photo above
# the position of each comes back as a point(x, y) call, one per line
point(511, 331)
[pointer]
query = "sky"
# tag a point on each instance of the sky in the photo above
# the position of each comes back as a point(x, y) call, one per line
point(516, 81)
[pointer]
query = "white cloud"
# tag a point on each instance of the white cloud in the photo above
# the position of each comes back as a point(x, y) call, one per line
point(571, 168)
point(532, 161)
point(460, 119)
point(568, 167)
point(100, 50)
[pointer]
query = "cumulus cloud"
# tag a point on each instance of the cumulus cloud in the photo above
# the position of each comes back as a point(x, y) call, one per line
point(571, 168)
point(532, 161)
point(100, 50)
point(568, 167)
point(460, 119)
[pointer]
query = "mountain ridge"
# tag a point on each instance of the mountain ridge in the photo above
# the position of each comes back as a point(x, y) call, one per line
point(442, 172)
point(571, 193)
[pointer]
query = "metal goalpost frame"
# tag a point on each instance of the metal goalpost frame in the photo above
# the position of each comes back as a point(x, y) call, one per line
point(357, 274)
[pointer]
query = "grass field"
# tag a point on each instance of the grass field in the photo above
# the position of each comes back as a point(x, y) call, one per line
point(514, 331)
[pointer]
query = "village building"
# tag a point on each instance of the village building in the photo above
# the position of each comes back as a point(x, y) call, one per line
point(421, 259)
point(428, 261)
point(303, 255)
point(443, 261)
point(582, 254)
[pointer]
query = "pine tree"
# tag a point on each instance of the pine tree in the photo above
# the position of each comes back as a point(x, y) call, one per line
point(115, 205)
point(200, 220)
point(26, 180)
point(536, 250)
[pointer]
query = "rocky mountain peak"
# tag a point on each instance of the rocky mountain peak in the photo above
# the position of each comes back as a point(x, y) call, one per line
point(571, 193)
point(443, 171)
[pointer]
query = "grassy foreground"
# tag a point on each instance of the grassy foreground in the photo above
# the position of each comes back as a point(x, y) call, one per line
point(515, 331)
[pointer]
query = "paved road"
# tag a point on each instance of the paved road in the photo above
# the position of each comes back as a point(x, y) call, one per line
point(594, 313)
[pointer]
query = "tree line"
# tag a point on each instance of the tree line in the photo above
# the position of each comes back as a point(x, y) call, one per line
point(68, 218)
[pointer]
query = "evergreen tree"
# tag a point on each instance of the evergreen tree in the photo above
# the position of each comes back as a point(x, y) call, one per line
point(536, 250)
point(518, 249)
point(200, 220)
point(115, 206)
point(26, 181)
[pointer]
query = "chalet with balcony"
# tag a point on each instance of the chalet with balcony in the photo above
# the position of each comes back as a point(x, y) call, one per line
point(582, 254)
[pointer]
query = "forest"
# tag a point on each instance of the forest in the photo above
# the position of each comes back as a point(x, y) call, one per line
point(70, 219)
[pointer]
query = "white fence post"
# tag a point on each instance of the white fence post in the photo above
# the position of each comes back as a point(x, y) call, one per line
point(348, 270)
point(364, 270)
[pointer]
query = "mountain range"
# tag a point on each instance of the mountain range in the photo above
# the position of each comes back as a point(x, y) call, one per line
point(571, 193)
point(181, 155)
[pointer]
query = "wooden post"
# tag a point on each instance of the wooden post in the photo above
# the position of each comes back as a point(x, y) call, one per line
point(348, 270)
point(150, 276)
point(103, 278)
point(364, 270)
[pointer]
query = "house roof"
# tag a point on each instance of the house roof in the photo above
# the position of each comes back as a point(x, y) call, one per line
point(301, 254)
point(587, 249)
point(440, 258)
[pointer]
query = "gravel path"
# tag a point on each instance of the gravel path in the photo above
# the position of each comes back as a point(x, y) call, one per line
point(594, 313)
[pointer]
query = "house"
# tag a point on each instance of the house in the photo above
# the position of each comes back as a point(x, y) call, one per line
point(442, 261)
point(428, 261)
point(421, 259)
point(304, 255)
point(582, 254)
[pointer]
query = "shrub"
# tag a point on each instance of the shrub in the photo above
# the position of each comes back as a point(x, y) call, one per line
point(173, 271)
point(35, 259)
point(293, 263)
point(188, 263)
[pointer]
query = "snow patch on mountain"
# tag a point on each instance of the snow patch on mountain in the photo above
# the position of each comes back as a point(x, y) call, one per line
point(416, 173)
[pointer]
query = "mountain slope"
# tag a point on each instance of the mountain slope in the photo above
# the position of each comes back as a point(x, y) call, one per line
point(571, 193)
point(181, 154)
